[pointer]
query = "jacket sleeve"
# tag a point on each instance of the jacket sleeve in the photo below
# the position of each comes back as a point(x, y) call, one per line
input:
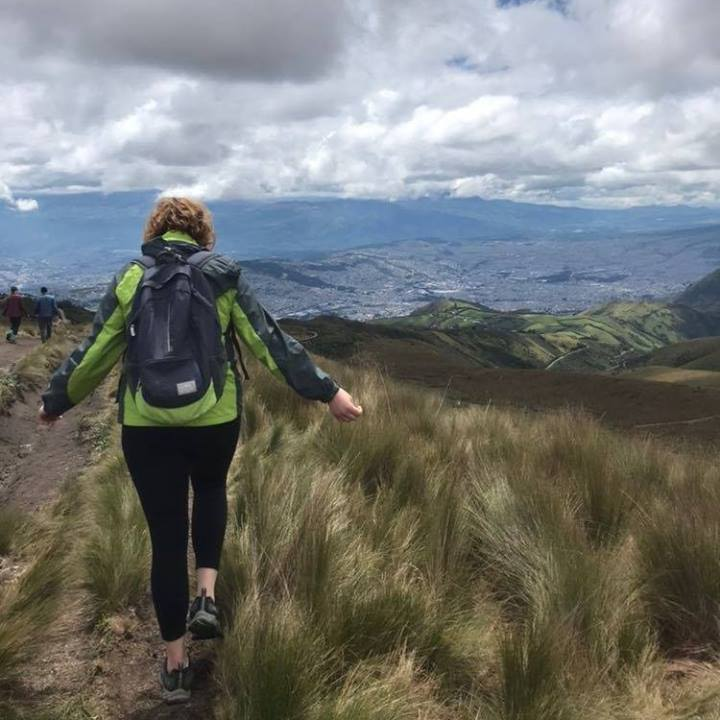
point(90, 363)
point(281, 353)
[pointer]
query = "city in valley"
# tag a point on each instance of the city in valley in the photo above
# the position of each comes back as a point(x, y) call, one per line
point(564, 274)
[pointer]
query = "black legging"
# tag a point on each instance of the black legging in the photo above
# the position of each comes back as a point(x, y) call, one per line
point(160, 460)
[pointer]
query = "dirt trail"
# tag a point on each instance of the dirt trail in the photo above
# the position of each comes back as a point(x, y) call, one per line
point(11, 352)
point(115, 672)
point(34, 460)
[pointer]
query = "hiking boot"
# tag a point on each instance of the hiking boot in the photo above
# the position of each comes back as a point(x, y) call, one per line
point(176, 684)
point(203, 621)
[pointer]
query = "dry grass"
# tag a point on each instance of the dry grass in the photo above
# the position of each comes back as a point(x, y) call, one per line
point(435, 562)
point(524, 568)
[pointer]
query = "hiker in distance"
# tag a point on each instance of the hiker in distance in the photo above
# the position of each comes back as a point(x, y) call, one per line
point(174, 313)
point(46, 310)
point(14, 311)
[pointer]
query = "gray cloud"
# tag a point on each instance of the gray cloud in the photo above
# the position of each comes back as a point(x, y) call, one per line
point(266, 41)
point(610, 102)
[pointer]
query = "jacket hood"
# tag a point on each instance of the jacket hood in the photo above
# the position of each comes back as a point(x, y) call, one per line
point(159, 247)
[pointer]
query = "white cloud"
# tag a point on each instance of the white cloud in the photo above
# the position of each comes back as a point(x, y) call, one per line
point(26, 204)
point(20, 204)
point(611, 102)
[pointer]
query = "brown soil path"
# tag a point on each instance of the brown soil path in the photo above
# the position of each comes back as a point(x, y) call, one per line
point(113, 672)
point(36, 459)
point(11, 352)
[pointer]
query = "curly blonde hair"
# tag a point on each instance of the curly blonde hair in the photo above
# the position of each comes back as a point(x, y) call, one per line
point(184, 215)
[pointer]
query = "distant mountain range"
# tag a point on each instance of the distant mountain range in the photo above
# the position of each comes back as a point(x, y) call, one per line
point(99, 228)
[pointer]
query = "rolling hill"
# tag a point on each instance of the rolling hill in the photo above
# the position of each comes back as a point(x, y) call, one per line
point(609, 337)
point(598, 339)
point(698, 354)
point(703, 295)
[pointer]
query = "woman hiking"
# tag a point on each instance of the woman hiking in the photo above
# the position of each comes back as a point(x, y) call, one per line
point(173, 315)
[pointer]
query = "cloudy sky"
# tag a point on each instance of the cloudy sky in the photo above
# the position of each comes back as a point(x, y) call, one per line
point(588, 102)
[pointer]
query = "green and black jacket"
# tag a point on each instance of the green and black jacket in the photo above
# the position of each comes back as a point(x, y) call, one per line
point(237, 308)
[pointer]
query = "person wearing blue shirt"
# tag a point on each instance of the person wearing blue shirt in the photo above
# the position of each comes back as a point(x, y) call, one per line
point(46, 310)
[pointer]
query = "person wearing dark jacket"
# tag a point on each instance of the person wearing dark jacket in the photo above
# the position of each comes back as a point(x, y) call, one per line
point(163, 454)
point(46, 310)
point(14, 311)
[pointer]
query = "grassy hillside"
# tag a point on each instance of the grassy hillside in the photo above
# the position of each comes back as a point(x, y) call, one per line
point(703, 295)
point(452, 332)
point(31, 371)
point(596, 339)
point(431, 562)
point(693, 362)
point(698, 354)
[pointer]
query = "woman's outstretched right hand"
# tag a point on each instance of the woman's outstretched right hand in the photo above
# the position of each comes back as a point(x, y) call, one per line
point(343, 408)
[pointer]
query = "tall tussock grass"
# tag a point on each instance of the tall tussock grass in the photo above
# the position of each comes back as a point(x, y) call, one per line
point(29, 604)
point(444, 561)
point(11, 521)
point(678, 562)
point(116, 547)
point(428, 562)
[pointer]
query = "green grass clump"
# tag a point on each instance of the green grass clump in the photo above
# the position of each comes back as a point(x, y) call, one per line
point(10, 389)
point(11, 521)
point(271, 664)
point(29, 606)
point(115, 558)
point(680, 568)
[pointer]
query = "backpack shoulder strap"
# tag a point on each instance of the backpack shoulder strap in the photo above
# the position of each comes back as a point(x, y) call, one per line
point(145, 261)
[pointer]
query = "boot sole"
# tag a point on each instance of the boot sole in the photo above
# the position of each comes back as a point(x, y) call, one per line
point(205, 626)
